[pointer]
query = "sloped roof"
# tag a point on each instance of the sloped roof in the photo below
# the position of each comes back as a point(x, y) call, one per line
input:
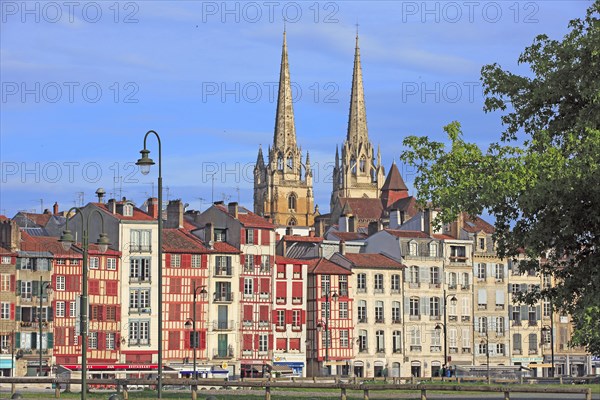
point(45, 244)
point(407, 234)
point(324, 266)
point(138, 215)
point(308, 239)
point(349, 236)
point(474, 225)
point(406, 204)
point(362, 208)
point(287, 260)
point(177, 241)
point(248, 218)
point(394, 180)
point(364, 260)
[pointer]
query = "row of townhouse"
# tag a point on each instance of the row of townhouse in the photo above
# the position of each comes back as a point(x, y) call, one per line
point(394, 302)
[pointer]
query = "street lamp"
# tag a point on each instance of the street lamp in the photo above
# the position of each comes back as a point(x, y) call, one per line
point(192, 325)
point(67, 241)
point(453, 300)
point(43, 286)
point(145, 163)
point(550, 330)
point(325, 324)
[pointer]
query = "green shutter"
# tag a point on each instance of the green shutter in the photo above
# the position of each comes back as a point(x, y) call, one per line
point(35, 288)
point(34, 340)
point(49, 314)
point(18, 339)
point(18, 313)
point(18, 288)
point(50, 340)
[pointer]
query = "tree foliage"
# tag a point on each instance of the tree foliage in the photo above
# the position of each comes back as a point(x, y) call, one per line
point(541, 180)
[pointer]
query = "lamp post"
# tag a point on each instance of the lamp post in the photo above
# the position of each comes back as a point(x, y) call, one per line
point(145, 163)
point(43, 286)
point(550, 330)
point(195, 335)
point(67, 241)
point(325, 324)
point(453, 300)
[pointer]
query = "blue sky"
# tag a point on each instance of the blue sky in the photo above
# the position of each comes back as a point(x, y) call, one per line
point(82, 82)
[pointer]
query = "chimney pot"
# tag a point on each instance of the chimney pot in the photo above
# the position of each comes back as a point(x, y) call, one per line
point(233, 209)
point(55, 208)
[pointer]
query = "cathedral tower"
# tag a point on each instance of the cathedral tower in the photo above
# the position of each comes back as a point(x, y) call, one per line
point(357, 175)
point(283, 185)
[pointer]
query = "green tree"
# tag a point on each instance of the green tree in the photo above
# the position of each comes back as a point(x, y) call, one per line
point(541, 180)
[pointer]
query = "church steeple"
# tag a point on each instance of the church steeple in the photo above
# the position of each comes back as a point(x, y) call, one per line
point(285, 129)
point(357, 118)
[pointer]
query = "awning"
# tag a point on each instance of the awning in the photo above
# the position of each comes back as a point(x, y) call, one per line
point(6, 364)
point(336, 363)
point(540, 366)
point(292, 364)
point(284, 369)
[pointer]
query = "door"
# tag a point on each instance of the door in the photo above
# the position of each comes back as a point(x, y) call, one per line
point(223, 316)
point(222, 343)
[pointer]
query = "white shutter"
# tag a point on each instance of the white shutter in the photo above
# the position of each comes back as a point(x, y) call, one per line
point(466, 338)
point(482, 296)
point(499, 296)
point(452, 337)
point(466, 309)
point(424, 275)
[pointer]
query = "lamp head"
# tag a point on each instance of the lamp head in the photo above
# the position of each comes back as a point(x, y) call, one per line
point(188, 325)
point(103, 242)
point(145, 162)
point(453, 300)
point(66, 240)
point(438, 327)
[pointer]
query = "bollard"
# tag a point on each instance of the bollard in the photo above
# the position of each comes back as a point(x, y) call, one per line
point(343, 394)
point(194, 392)
point(125, 393)
point(506, 395)
point(57, 391)
point(268, 393)
point(13, 388)
point(366, 394)
point(560, 379)
point(423, 394)
point(588, 394)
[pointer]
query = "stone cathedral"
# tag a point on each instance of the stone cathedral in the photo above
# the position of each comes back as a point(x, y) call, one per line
point(283, 186)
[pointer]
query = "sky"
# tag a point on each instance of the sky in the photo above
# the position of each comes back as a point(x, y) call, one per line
point(82, 82)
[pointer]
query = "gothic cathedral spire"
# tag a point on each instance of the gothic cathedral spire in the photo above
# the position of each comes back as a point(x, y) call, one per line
point(284, 137)
point(357, 117)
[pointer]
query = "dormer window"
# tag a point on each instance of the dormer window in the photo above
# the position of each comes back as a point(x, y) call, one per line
point(128, 210)
point(412, 249)
point(481, 243)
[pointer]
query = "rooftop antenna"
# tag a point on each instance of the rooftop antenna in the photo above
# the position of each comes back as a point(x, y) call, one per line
point(41, 206)
point(151, 183)
point(202, 199)
point(237, 189)
point(225, 197)
point(168, 192)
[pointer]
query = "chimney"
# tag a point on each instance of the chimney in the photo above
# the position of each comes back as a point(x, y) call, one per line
point(153, 207)
point(174, 214)
point(343, 223)
point(342, 247)
point(100, 192)
point(427, 221)
point(55, 208)
point(395, 219)
point(289, 231)
point(112, 206)
point(351, 223)
point(233, 209)
point(219, 203)
point(373, 227)
point(311, 233)
point(209, 235)
point(319, 227)
point(46, 211)
point(10, 235)
point(320, 249)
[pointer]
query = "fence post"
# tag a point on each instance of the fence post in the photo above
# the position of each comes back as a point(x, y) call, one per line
point(560, 379)
point(366, 394)
point(268, 393)
point(57, 391)
point(588, 394)
point(125, 392)
point(506, 395)
point(194, 392)
point(423, 394)
point(343, 394)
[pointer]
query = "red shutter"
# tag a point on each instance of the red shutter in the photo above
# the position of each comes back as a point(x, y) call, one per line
point(297, 289)
point(264, 240)
point(274, 316)
point(256, 342)
point(281, 344)
point(247, 312)
point(255, 284)
point(187, 344)
point(117, 340)
point(118, 313)
point(265, 285)
point(242, 236)
point(263, 313)
point(243, 260)
point(241, 285)
point(204, 258)
point(13, 283)
point(256, 233)
point(257, 260)
point(203, 340)
point(270, 342)
point(186, 260)
point(12, 311)
point(281, 289)
point(288, 316)
point(294, 344)
point(101, 341)
point(302, 317)
point(298, 269)
point(167, 260)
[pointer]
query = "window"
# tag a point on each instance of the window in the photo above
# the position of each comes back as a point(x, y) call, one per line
point(196, 260)
point(5, 260)
point(26, 290)
point(500, 349)
point(248, 286)
point(72, 309)
point(396, 341)
point(139, 300)
point(499, 272)
point(280, 318)
point(482, 349)
point(533, 345)
point(500, 326)
point(482, 324)
point(249, 263)
point(466, 280)
point(250, 236)
point(362, 311)
point(292, 202)
point(380, 339)
point(547, 309)
point(452, 308)
point(362, 340)
point(414, 274)
point(127, 210)
point(290, 162)
point(353, 165)
point(325, 310)
point(434, 306)
point(263, 342)
point(220, 235)
point(415, 337)
point(452, 282)
point(433, 249)
point(436, 339)
point(547, 281)
point(265, 263)
point(517, 343)
point(296, 318)
point(139, 269)
point(60, 309)
point(458, 253)
point(280, 163)
point(93, 340)
point(343, 285)
point(481, 243)
point(482, 299)
point(325, 284)
point(395, 284)
point(515, 288)
point(5, 311)
point(378, 283)
point(396, 312)
point(343, 309)
point(413, 249)
point(362, 164)
point(139, 332)
point(466, 339)
point(481, 271)
point(94, 263)
point(516, 314)
point(175, 260)
point(111, 264)
point(344, 342)
point(5, 282)
point(361, 282)
point(379, 312)
point(140, 240)
point(111, 313)
point(414, 307)
point(434, 273)
point(532, 315)
point(222, 265)
point(110, 341)
point(452, 337)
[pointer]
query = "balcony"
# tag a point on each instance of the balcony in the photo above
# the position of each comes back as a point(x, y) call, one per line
point(378, 290)
point(517, 351)
point(296, 300)
point(296, 328)
point(223, 325)
point(458, 259)
point(452, 318)
point(465, 287)
point(414, 318)
point(435, 349)
point(452, 286)
point(247, 323)
point(362, 320)
point(415, 348)
point(140, 310)
point(414, 285)
point(223, 353)
point(265, 269)
point(279, 328)
point(453, 350)
point(380, 350)
point(296, 275)
point(361, 290)
point(263, 324)
point(482, 306)
point(499, 307)
point(264, 296)
point(466, 350)
point(363, 350)
point(533, 351)
point(280, 300)
point(396, 321)
point(532, 323)
point(226, 297)
point(395, 290)
point(223, 271)
point(465, 318)
point(434, 285)
point(379, 320)
point(434, 317)
point(396, 350)
point(140, 248)
point(140, 279)
point(499, 280)
point(516, 323)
